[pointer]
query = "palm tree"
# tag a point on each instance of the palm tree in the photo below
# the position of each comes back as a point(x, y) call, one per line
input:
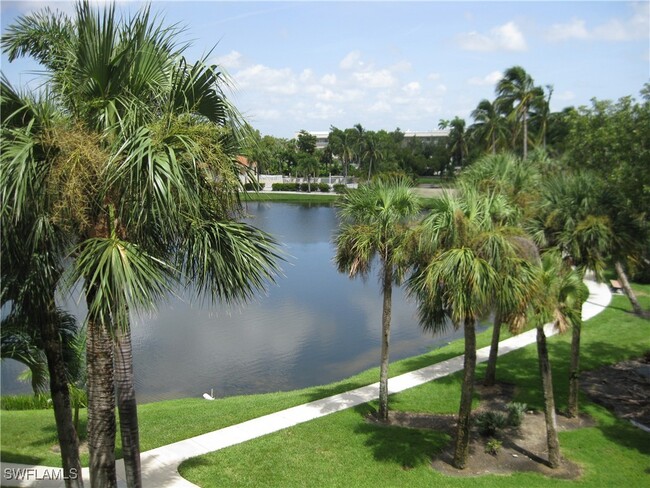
point(142, 172)
point(308, 165)
point(461, 250)
point(489, 125)
point(372, 152)
point(517, 90)
point(506, 175)
point(457, 141)
point(559, 298)
point(33, 248)
point(374, 220)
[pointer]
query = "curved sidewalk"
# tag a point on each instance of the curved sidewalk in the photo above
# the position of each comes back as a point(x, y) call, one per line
point(160, 466)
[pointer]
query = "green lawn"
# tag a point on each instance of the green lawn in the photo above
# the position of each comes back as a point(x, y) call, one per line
point(297, 197)
point(343, 450)
point(28, 436)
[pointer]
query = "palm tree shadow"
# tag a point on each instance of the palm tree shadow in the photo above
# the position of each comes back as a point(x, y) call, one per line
point(406, 447)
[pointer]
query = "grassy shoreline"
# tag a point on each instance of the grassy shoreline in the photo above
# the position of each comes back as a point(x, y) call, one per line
point(344, 450)
point(28, 436)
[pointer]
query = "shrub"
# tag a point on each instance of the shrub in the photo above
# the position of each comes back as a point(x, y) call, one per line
point(339, 188)
point(489, 422)
point(493, 446)
point(285, 187)
point(305, 186)
point(253, 186)
point(516, 412)
point(323, 188)
point(25, 402)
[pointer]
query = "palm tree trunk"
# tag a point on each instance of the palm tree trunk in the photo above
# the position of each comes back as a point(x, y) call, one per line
point(490, 372)
point(66, 433)
point(574, 371)
point(625, 283)
point(461, 450)
point(525, 122)
point(101, 406)
point(385, 338)
point(552, 440)
point(126, 405)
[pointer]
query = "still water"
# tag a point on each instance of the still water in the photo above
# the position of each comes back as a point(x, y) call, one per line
point(313, 327)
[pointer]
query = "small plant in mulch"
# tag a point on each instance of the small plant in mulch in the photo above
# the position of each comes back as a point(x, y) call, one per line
point(488, 423)
point(516, 412)
point(492, 446)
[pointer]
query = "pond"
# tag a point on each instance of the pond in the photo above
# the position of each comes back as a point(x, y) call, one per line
point(313, 327)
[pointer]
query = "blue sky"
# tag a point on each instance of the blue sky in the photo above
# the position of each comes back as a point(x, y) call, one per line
point(310, 65)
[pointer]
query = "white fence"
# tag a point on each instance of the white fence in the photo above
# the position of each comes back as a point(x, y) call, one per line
point(331, 180)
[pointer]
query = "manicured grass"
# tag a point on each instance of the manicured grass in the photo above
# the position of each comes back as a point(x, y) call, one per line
point(435, 180)
point(344, 450)
point(28, 436)
point(298, 197)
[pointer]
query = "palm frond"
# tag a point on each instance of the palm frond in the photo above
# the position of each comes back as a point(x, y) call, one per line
point(226, 260)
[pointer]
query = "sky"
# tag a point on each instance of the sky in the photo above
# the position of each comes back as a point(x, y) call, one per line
point(386, 65)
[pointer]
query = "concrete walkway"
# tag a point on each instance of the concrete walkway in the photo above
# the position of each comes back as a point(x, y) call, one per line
point(160, 466)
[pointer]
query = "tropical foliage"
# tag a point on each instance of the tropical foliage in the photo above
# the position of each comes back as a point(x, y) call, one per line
point(375, 221)
point(137, 168)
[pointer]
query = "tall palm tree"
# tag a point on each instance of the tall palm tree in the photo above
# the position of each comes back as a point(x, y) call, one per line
point(374, 223)
point(372, 153)
point(461, 251)
point(489, 125)
point(517, 90)
point(142, 172)
point(560, 294)
point(508, 176)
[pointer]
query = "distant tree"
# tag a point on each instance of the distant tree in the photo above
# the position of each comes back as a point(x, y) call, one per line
point(516, 92)
point(309, 166)
point(489, 128)
point(306, 142)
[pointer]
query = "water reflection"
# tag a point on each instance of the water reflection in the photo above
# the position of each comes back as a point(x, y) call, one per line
point(314, 327)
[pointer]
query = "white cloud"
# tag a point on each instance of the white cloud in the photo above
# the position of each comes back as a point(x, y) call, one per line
point(328, 79)
point(636, 26)
point(351, 60)
point(272, 80)
point(382, 78)
point(434, 76)
point(232, 60)
point(412, 88)
point(576, 29)
point(381, 106)
point(507, 37)
point(489, 79)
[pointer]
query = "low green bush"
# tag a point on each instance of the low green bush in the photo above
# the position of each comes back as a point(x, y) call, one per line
point(489, 423)
point(339, 188)
point(323, 188)
point(285, 187)
point(493, 446)
point(253, 186)
point(516, 412)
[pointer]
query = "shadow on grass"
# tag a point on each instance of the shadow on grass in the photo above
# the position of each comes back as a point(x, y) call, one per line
point(405, 447)
point(13, 457)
